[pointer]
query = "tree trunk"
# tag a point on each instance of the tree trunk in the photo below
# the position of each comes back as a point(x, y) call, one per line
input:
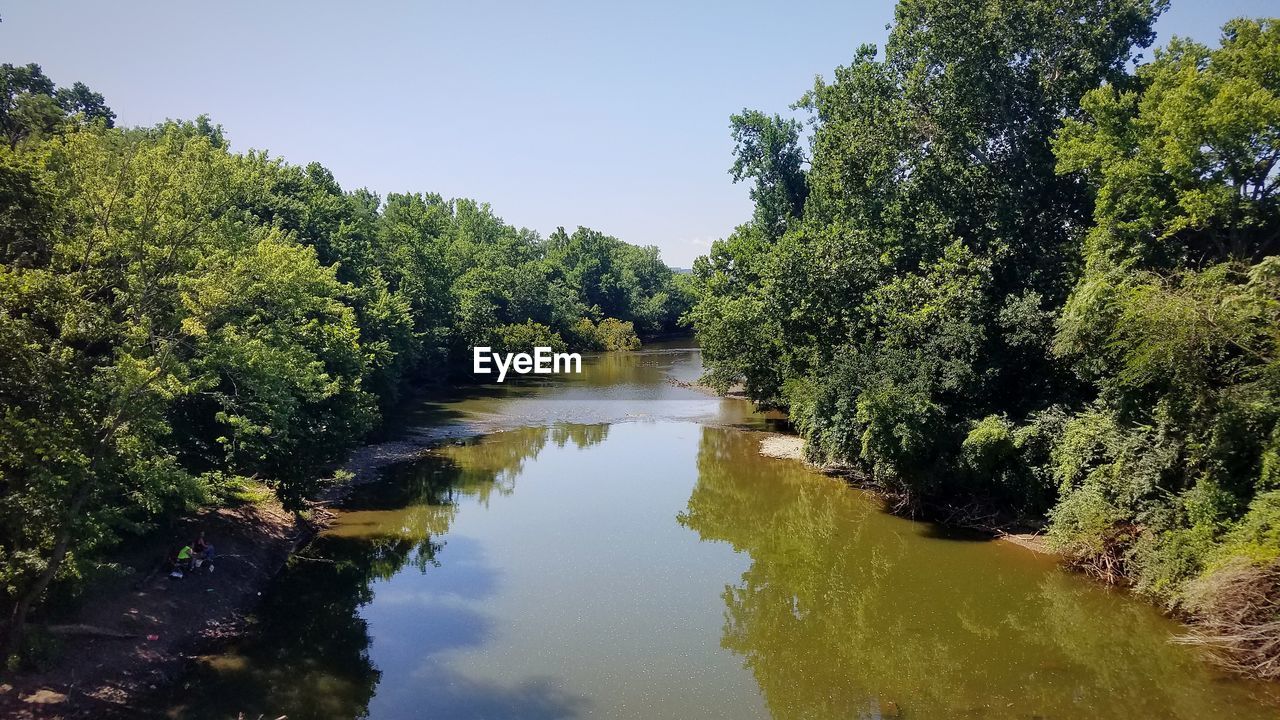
point(18, 618)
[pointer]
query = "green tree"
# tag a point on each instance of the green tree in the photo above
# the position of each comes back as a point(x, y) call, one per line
point(30, 104)
point(767, 151)
point(178, 317)
point(917, 294)
point(1175, 319)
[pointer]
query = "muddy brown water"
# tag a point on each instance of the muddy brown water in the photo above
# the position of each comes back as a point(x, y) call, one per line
point(616, 547)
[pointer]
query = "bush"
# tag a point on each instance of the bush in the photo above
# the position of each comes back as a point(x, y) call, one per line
point(1090, 531)
point(522, 337)
point(1002, 462)
point(1257, 536)
point(617, 335)
point(989, 458)
point(609, 334)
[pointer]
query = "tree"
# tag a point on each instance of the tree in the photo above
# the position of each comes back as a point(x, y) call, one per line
point(1185, 162)
point(1175, 318)
point(767, 151)
point(178, 317)
point(30, 104)
point(98, 355)
point(917, 294)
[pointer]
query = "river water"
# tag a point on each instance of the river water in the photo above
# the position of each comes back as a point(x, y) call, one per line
point(616, 547)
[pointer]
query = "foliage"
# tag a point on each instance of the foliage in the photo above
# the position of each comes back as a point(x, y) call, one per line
point(522, 337)
point(916, 294)
point(610, 334)
point(181, 322)
point(1027, 276)
point(1184, 156)
point(768, 151)
point(32, 106)
point(1176, 321)
point(617, 280)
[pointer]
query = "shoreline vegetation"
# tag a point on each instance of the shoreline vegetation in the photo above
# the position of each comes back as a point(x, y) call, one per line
point(184, 323)
point(139, 635)
point(1025, 273)
point(121, 652)
point(1020, 278)
point(791, 447)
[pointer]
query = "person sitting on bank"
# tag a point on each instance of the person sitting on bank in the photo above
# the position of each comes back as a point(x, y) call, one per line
point(202, 553)
point(180, 562)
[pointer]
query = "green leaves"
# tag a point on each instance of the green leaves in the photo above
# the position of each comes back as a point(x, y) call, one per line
point(177, 317)
point(279, 355)
point(767, 150)
point(1027, 276)
point(935, 230)
point(1175, 320)
point(1186, 167)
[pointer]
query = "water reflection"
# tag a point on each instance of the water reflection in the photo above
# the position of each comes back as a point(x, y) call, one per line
point(577, 595)
point(310, 655)
point(845, 612)
point(663, 568)
point(651, 384)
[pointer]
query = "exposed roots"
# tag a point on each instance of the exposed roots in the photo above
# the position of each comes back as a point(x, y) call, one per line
point(975, 516)
point(1237, 613)
point(1107, 566)
point(1107, 561)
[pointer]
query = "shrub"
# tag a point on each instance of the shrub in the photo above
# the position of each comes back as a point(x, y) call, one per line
point(1256, 537)
point(609, 334)
point(1011, 464)
point(521, 337)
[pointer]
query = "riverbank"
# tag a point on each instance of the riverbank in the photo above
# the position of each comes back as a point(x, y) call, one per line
point(480, 580)
point(1234, 620)
point(439, 423)
point(136, 636)
point(104, 658)
point(791, 447)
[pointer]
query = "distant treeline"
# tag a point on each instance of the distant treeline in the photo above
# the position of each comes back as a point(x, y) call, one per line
point(1020, 273)
point(176, 318)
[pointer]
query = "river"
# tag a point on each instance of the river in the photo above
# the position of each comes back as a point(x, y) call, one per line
point(614, 546)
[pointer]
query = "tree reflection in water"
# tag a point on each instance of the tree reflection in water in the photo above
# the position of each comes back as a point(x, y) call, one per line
point(309, 654)
point(846, 612)
point(842, 611)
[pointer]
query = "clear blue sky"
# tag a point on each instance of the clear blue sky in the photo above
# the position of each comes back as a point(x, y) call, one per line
point(557, 113)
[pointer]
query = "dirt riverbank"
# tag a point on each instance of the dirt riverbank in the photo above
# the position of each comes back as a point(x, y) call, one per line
point(130, 639)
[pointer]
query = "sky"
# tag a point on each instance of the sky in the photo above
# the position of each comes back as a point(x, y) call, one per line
point(558, 113)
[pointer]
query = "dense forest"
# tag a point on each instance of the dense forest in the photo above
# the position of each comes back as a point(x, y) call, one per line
point(177, 319)
point(1020, 272)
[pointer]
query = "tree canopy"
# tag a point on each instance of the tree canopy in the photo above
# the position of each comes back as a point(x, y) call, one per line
point(1033, 277)
point(179, 319)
